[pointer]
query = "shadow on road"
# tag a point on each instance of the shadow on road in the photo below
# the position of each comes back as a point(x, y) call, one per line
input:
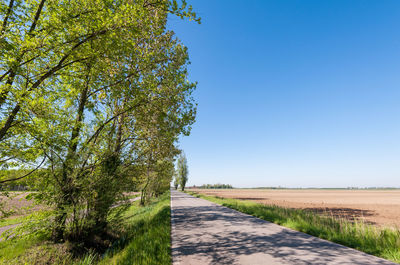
point(223, 234)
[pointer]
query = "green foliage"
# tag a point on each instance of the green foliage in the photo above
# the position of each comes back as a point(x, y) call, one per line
point(93, 98)
point(382, 242)
point(143, 238)
point(182, 171)
point(147, 236)
point(34, 225)
point(215, 186)
point(176, 181)
point(32, 230)
point(11, 221)
point(28, 183)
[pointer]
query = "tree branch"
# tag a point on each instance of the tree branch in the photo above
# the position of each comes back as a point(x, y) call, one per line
point(24, 176)
point(5, 21)
point(96, 134)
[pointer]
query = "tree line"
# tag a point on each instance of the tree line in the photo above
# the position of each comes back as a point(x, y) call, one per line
point(93, 97)
point(215, 186)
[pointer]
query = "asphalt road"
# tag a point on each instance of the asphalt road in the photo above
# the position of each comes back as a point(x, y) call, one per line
point(206, 233)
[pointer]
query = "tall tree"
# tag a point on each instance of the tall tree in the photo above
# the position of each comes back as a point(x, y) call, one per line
point(176, 181)
point(90, 90)
point(43, 40)
point(183, 171)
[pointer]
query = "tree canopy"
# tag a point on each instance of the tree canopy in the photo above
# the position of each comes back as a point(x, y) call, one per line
point(182, 171)
point(95, 94)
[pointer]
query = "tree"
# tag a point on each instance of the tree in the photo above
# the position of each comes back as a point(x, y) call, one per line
point(45, 42)
point(176, 181)
point(95, 92)
point(182, 171)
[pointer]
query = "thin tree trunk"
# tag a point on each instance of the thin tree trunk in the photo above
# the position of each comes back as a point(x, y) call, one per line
point(66, 189)
point(121, 121)
point(8, 123)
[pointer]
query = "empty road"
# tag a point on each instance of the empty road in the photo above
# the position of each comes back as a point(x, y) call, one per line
point(206, 233)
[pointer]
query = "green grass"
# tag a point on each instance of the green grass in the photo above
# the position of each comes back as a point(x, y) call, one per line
point(12, 220)
point(12, 249)
point(144, 239)
point(147, 236)
point(381, 242)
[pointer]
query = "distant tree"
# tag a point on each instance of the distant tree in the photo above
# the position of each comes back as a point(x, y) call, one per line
point(183, 171)
point(176, 180)
point(216, 186)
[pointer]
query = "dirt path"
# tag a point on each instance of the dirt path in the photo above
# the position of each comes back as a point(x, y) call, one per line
point(206, 233)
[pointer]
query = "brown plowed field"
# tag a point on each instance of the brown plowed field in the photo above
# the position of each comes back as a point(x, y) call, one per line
point(379, 207)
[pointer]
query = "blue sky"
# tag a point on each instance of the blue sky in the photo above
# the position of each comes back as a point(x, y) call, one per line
point(294, 93)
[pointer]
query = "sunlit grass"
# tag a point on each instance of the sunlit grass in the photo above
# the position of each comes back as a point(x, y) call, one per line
point(144, 239)
point(11, 220)
point(381, 242)
point(11, 249)
point(147, 236)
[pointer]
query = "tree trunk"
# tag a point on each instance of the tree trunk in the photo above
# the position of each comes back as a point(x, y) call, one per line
point(10, 120)
point(66, 189)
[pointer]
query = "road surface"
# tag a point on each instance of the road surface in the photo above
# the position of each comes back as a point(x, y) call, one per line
point(206, 233)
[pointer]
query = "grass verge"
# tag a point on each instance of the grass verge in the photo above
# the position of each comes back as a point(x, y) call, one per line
point(144, 239)
point(381, 242)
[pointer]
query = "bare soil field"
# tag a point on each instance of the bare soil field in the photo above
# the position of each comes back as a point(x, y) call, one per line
point(17, 203)
point(378, 207)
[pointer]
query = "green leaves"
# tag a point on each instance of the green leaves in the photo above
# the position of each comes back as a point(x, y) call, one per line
point(98, 90)
point(182, 171)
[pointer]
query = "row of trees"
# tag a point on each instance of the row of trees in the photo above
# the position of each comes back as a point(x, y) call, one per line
point(26, 183)
point(182, 173)
point(94, 93)
point(215, 186)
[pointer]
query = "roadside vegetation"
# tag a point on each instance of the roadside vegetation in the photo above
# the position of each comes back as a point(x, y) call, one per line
point(381, 242)
point(11, 220)
point(181, 173)
point(141, 237)
point(146, 236)
point(94, 96)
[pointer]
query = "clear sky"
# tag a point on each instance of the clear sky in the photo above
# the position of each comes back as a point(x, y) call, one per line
point(294, 93)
